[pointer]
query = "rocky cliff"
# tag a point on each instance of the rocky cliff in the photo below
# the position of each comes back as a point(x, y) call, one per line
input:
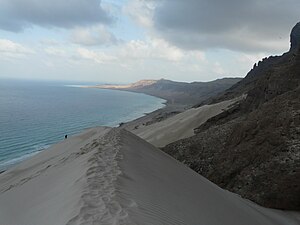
point(295, 38)
point(254, 149)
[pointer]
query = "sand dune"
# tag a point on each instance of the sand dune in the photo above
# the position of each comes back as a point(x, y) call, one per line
point(181, 125)
point(47, 188)
point(110, 176)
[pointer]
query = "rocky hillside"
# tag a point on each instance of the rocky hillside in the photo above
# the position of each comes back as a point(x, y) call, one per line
point(254, 149)
point(178, 92)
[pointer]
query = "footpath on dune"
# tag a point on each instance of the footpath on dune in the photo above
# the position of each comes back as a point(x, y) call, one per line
point(111, 176)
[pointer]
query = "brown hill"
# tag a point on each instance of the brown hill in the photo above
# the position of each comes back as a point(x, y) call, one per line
point(254, 148)
point(181, 93)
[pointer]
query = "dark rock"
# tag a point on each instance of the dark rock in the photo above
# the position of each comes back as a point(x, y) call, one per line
point(295, 38)
point(254, 148)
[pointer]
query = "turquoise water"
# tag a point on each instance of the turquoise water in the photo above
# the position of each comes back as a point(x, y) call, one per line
point(34, 115)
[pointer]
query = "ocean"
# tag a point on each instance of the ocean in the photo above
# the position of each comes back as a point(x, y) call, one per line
point(36, 114)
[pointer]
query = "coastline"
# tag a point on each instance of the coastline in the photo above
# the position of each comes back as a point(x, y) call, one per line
point(169, 109)
point(110, 176)
point(223, 152)
point(106, 175)
point(5, 165)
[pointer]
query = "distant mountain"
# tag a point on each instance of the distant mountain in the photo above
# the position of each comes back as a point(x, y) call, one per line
point(254, 148)
point(137, 85)
point(177, 92)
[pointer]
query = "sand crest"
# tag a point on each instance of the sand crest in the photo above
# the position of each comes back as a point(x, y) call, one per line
point(110, 176)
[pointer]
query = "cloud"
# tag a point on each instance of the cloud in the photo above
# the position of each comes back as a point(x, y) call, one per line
point(250, 58)
point(98, 35)
point(151, 49)
point(151, 58)
point(15, 15)
point(96, 56)
point(136, 51)
point(140, 11)
point(249, 26)
point(10, 49)
point(49, 42)
point(59, 52)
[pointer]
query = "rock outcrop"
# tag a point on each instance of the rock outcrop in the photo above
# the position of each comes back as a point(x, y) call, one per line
point(295, 38)
point(254, 149)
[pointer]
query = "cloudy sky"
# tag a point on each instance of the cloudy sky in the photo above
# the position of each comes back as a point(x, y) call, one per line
point(128, 40)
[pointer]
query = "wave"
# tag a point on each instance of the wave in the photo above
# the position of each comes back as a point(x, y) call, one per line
point(37, 148)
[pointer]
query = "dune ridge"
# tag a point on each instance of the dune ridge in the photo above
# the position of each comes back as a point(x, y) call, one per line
point(111, 176)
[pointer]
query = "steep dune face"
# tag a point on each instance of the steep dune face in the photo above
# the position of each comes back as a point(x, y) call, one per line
point(181, 125)
point(254, 148)
point(110, 176)
point(164, 191)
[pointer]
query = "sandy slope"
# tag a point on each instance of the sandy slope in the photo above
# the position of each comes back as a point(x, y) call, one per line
point(46, 189)
point(181, 125)
point(110, 176)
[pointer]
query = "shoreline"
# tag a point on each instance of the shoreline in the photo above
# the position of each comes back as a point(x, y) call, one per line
point(110, 176)
point(29, 155)
point(169, 109)
point(105, 169)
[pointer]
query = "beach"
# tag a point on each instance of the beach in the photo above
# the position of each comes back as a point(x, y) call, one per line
point(36, 114)
point(149, 112)
point(110, 176)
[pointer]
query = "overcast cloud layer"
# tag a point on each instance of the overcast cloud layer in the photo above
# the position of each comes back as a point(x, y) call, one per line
point(129, 40)
point(15, 15)
point(254, 25)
